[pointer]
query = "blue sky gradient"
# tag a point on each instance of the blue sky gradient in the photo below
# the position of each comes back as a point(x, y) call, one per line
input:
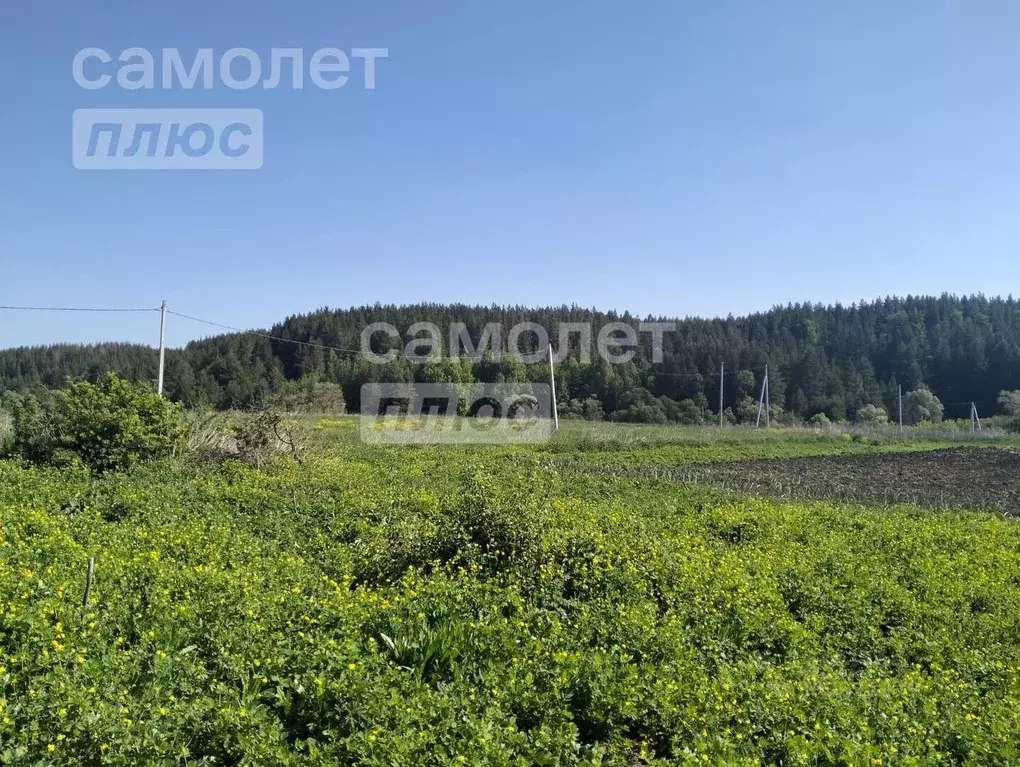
point(669, 157)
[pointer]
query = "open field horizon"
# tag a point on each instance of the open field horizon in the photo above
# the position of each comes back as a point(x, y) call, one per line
point(510, 384)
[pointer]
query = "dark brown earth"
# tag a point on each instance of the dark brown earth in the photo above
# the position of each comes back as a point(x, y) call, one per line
point(968, 478)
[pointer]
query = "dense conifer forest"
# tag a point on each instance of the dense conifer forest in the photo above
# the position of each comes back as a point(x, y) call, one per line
point(822, 359)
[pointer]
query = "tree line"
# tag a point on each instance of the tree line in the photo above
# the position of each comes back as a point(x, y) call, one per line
point(839, 361)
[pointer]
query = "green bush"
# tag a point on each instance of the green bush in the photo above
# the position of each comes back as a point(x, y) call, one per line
point(493, 522)
point(6, 432)
point(31, 425)
point(590, 409)
point(820, 420)
point(1009, 401)
point(111, 425)
point(922, 406)
point(871, 415)
point(310, 396)
point(486, 527)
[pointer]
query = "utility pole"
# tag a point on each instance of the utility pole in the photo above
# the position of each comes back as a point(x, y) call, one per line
point(722, 376)
point(900, 398)
point(552, 382)
point(761, 399)
point(975, 420)
point(768, 400)
point(162, 348)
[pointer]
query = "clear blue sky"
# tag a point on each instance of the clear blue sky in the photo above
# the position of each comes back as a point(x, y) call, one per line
point(671, 157)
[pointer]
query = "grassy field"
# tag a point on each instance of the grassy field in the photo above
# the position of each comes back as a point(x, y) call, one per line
point(568, 603)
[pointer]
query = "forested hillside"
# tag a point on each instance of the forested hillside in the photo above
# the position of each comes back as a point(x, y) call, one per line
point(831, 359)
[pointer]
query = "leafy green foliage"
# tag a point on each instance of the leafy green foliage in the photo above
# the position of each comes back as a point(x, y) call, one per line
point(589, 410)
point(1009, 402)
point(493, 607)
point(922, 406)
point(429, 649)
point(111, 425)
point(310, 396)
point(6, 431)
point(871, 415)
point(32, 431)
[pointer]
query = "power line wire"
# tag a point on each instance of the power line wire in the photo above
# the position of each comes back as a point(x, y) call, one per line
point(326, 347)
point(713, 375)
point(291, 340)
point(263, 335)
point(360, 351)
point(73, 309)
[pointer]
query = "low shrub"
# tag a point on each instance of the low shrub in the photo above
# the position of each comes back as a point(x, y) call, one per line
point(261, 434)
point(6, 432)
point(310, 396)
point(110, 425)
point(488, 527)
point(820, 420)
point(871, 415)
point(31, 434)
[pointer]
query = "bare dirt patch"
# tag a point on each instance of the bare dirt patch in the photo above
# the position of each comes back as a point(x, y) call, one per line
point(970, 478)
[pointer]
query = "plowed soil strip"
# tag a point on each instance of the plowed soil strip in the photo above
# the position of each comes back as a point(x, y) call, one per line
point(966, 478)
